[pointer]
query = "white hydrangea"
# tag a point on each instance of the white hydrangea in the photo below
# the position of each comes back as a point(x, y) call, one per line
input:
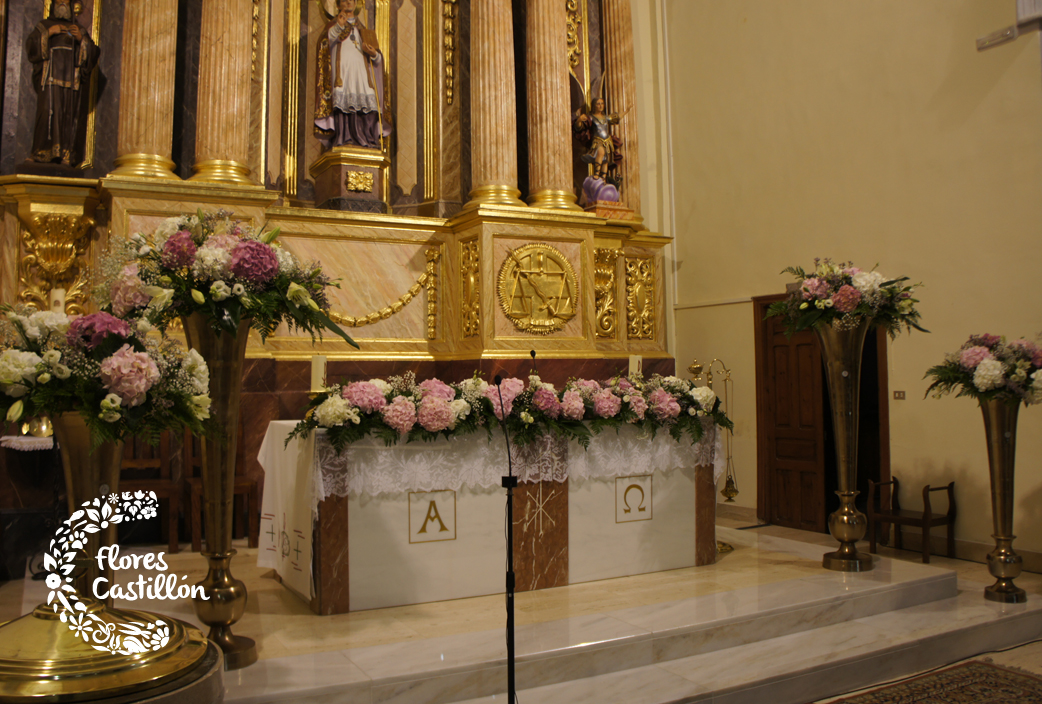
point(166, 228)
point(867, 282)
point(384, 387)
point(50, 321)
point(704, 396)
point(197, 370)
point(460, 408)
point(473, 388)
point(17, 367)
point(989, 375)
point(1035, 390)
point(211, 263)
point(287, 262)
point(334, 411)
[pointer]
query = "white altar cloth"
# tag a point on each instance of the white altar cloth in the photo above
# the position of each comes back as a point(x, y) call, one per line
point(298, 477)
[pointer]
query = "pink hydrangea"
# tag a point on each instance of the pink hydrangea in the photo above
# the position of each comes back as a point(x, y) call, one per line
point(606, 404)
point(985, 340)
point(400, 414)
point(225, 242)
point(815, 288)
point(128, 291)
point(638, 405)
point(435, 414)
point(1026, 347)
point(625, 385)
point(587, 385)
point(129, 375)
point(364, 395)
point(510, 388)
point(91, 330)
point(546, 401)
point(438, 389)
point(572, 405)
point(846, 299)
point(663, 405)
point(254, 261)
point(972, 356)
point(178, 250)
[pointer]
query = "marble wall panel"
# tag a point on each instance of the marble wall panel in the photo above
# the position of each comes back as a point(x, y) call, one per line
point(10, 254)
point(705, 516)
point(541, 535)
point(331, 565)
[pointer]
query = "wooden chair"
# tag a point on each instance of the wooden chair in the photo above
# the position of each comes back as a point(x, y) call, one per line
point(244, 486)
point(925, 519)
point(147, 468)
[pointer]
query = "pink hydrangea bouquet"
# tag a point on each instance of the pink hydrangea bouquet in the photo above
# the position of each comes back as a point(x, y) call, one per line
point(988, 367)
point(399, 409)
point(221, 267)
point(843, 295)
point(122, 381)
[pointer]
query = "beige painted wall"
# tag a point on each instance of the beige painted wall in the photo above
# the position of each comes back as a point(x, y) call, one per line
point(869, 131)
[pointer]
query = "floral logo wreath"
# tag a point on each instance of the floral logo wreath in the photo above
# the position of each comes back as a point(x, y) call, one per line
point(93, 516)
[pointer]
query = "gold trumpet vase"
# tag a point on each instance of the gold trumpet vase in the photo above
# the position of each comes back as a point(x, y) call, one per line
point(224, 353)
point(841, 348)
point(1000, 425)
point(41, 659)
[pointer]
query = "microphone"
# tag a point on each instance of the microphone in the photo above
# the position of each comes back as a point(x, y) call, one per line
point(497, 381)
point(535, 369)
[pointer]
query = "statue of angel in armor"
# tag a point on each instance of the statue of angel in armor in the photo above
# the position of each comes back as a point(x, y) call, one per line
point(592, 127)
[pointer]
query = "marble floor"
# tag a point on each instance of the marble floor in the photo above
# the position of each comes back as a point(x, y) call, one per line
point(765, 623)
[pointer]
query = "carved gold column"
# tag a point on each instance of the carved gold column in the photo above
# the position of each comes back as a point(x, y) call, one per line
point(223, 113)
point(622, 92)
point(549, 136)
point(146, 107)
point(493, 113)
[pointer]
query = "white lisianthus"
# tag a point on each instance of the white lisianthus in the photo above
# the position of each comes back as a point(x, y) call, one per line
point(335, 411)
point(143, 326)
point(474, 387)
point(52, 357)
point(704, 396)
point(534, 382)
point(219, 291)
point(989, 375)
point(111, 402)
point(61, 371)
point(109, 416)
point(460, 408)
point(144, 251)
point(384, 387)
point(526, 417)
point(161, 297)
point(43, 378)
point(196, 368)
point(691, 410)
point(867, 282)
point(201, 406)
point(238, 290)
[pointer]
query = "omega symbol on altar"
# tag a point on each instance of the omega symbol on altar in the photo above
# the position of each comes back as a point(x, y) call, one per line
point(633, 500)
point(432, 516)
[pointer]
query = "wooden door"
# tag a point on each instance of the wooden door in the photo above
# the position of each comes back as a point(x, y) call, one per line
point(791, 425)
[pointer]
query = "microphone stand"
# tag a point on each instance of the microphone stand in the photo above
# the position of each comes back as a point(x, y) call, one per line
point(509, 483)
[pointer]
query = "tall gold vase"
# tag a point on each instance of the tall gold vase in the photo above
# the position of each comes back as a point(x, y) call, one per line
point(41, 659)
point(1000, 425)
point(224, 354)
point(841, 353)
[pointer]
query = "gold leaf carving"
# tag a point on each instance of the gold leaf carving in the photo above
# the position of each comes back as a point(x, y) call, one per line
point(538, 289)
point(428, 279)
point(575, 48)
point(449, 17)
point(55, 246)
point(640, 298)
point(604, 290)
point(359, 181)
point(470, 288)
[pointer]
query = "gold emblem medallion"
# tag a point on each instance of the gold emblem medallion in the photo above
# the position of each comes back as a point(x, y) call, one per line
point(537, 289)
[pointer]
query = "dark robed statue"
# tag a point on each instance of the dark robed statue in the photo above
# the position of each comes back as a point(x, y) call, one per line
point(62, 55)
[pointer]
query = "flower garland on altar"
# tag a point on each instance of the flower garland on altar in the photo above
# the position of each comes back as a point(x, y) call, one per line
point(843, 295)
point(400, 410)
point(121, 380)
point(987, 367)
point(221, 267)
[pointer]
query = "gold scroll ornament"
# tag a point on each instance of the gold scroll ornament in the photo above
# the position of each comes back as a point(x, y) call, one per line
point(640, 298)
point(537, 289)
point(428, 279)
point(449, 13)
point(604, 290)
point(55, 246)
point(470, 288)
point(359, 181)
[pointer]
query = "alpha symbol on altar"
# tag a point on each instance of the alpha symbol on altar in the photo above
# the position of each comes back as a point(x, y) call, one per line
point(633, 498)
point(537, 288)
point(432, 516)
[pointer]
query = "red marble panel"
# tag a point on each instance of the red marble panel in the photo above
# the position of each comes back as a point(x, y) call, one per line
point(541, 535)
point(705, 516)
point(330, 558)
point(258, 376)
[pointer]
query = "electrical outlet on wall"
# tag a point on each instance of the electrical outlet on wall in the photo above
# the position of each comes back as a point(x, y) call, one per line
point(899, 395)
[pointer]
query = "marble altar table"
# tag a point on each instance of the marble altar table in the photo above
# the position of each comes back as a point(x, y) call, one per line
point(384, 526)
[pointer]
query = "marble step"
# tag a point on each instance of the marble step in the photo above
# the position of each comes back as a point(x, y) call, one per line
point(803, 667)
point(582, 649)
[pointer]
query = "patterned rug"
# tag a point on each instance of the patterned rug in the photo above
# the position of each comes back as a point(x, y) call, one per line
point(967, 683)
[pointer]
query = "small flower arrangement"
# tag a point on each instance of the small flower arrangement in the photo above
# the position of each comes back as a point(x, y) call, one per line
point(987, 367)
point(221, 267)
point(122, 381)
point(843, 295)
point(399, 409)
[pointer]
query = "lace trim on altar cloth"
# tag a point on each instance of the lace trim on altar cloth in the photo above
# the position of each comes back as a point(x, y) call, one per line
point(369, 468)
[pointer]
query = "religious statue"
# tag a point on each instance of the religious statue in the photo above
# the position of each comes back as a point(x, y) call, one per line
point(591, 126)
point(63, 56)
point(350, 104)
